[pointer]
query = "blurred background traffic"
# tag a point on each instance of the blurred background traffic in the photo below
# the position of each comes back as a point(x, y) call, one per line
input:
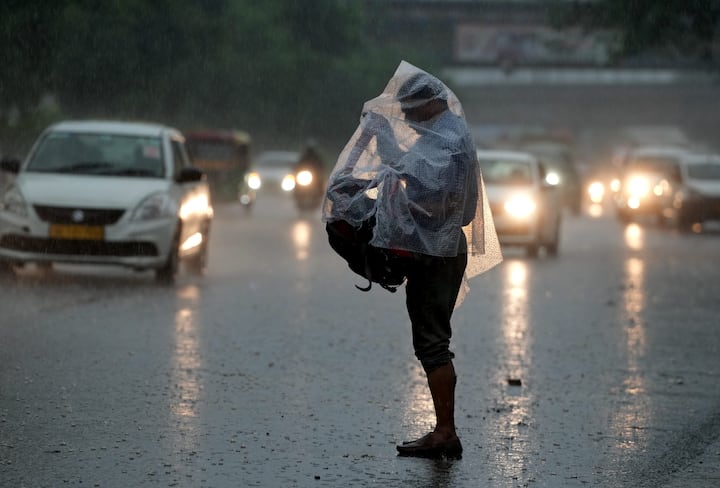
point(580, 85)
point(596, 124)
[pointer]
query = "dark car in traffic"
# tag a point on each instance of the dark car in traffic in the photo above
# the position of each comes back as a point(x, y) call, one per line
point(645, 182)
point(695, 192)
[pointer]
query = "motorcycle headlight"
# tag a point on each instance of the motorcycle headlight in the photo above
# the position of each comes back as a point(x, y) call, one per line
point(520, 206)
point(304, 178)
point(156, 206)
point(254, 181)
point(14, 202)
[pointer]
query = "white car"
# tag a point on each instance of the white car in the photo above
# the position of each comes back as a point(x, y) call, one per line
point(104, 192)
point(273, 172)
point(525, 207)
point(695, 191)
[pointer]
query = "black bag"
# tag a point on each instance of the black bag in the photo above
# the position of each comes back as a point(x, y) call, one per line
point(372, 263)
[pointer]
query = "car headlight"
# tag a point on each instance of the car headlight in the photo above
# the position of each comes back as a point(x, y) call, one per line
point(596, 190)
point(520, 206)
point(197, 205)
point(14, 202)
point(638, 186)
point(156, 206)
point(662, 188)
point(254, 181)
point(304, 178)
point(552, 178)
point(288, 183)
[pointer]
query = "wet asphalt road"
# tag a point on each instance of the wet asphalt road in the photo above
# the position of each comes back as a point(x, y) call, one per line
point(274, 371)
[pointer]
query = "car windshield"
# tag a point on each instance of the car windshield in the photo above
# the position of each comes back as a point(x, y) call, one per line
point(555, 159)
point(277, 159)
point(507, 172)
point(99, 154)
point(652, 164)
point(704, 171)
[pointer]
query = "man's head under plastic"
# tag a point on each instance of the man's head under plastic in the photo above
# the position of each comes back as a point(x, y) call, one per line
point(419, 89)
point(422, 96)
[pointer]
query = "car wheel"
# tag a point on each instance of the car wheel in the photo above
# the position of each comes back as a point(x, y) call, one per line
point(552, 247)
point(197, 263)
point(166, 274)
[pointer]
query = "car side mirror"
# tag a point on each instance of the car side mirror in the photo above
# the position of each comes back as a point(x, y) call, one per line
point(10, 165)
point(190, 175)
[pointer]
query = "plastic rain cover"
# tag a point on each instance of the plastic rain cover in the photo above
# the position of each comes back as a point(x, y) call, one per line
point(418, 176)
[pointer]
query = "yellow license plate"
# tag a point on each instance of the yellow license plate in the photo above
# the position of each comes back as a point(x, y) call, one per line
point(85, 232)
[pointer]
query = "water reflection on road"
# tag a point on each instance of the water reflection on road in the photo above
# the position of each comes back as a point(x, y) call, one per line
point(516, 343)
point(301, 233)
point(633, 414)
point(185, 381)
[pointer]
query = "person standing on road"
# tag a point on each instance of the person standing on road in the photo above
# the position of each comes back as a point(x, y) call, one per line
point(412, 167)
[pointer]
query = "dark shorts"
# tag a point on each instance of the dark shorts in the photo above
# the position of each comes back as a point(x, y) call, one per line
point(432, 287)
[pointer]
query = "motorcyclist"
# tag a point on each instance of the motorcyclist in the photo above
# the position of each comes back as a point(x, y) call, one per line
point(309, 188)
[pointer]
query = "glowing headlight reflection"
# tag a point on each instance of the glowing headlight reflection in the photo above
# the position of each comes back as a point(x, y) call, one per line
point(520, 206)
point(634, 237)
point(192, 242)
point(662, 188)
point(288, 183)
point(196, 205)
point(638, 186)
point(552, 178)
point(304, 178)
point(301, 233)
point(596, 190)
point(254, 181)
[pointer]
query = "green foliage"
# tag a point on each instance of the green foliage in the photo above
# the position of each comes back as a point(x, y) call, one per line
point(283, 70)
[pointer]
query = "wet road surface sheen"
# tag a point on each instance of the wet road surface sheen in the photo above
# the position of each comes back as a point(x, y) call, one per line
point(274, 371)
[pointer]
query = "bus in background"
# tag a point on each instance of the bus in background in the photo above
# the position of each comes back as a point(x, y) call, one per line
point(224, 156)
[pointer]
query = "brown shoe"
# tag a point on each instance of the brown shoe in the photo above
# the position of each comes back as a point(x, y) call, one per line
point(429, 446)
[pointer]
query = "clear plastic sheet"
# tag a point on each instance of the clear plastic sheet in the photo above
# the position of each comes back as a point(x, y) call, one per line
point(418, 177)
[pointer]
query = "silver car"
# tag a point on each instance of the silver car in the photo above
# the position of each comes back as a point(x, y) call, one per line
point(274, 171)
point(525, 207)
point(106, 192)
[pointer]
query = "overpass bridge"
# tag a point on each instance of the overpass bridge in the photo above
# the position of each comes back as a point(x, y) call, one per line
point(595, 105)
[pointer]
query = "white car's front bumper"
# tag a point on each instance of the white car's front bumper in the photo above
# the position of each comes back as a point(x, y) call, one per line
point(513, 231)
point(137, 244)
